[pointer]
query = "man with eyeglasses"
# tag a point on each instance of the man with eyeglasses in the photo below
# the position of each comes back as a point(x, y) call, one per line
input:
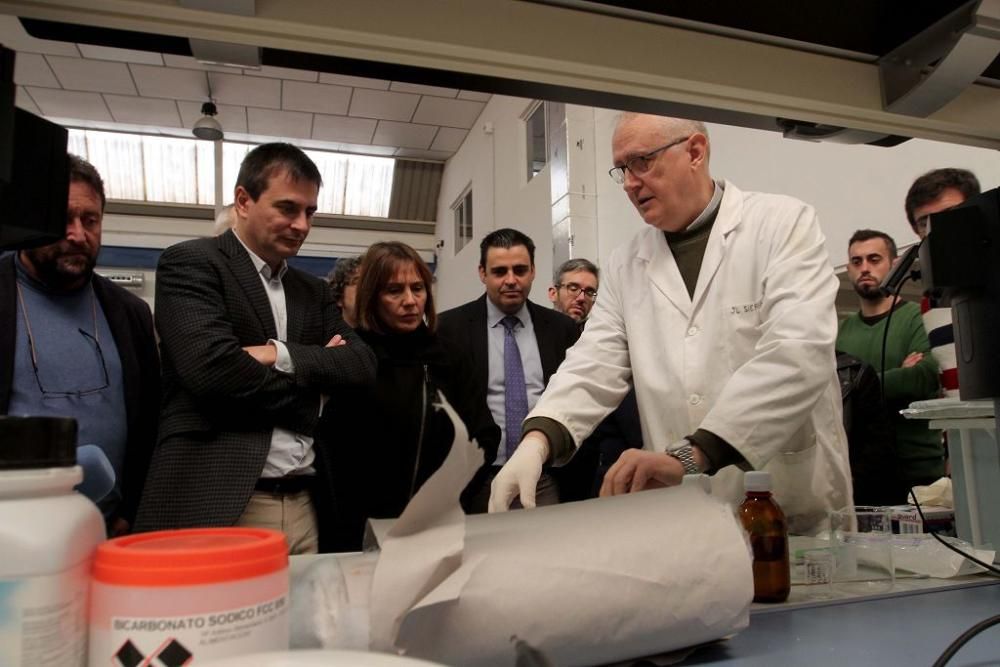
point(936, 191)
point(514, 345)
point(721, 315)
point(574, 289)
point(251, 348)
point(77, 345)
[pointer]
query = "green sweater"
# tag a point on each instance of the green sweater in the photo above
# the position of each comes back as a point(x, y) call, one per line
point(919, 449)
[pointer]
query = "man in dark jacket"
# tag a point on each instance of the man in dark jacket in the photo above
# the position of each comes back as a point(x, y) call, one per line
point(251, 348)
point(77, 345)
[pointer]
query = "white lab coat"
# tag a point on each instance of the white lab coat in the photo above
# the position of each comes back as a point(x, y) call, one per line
point(749, 358)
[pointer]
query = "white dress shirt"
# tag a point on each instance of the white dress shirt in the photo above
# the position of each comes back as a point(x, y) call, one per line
point(291, 453)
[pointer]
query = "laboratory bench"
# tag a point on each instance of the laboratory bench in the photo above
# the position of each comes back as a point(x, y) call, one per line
point(911, 625)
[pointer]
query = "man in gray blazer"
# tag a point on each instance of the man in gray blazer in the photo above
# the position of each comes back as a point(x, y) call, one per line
point(250, 349)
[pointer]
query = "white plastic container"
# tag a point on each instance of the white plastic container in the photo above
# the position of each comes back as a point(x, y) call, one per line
point(48, 533)
point(178, 597)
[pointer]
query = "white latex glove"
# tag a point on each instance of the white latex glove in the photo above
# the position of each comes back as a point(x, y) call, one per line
point(519, 476)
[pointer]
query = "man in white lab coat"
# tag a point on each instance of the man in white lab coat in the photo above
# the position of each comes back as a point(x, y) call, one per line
point(721, 314)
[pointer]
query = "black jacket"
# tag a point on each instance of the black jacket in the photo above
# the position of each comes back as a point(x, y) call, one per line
point(131, 324)
point(220, 406)
point(870, 438)
point(381, 444)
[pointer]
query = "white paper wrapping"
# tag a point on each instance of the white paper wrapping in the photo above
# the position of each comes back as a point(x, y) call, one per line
point(587, 583)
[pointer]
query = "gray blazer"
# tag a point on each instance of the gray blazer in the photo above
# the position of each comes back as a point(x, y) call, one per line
point(219, 404)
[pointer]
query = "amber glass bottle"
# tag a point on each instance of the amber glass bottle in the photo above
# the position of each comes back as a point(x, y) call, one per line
point(765, 523)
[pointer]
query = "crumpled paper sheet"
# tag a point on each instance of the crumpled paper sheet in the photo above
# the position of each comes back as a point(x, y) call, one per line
point(937, 494)
point(587, 583)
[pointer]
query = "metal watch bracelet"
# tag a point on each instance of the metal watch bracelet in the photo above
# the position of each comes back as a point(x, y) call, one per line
point(685, 454)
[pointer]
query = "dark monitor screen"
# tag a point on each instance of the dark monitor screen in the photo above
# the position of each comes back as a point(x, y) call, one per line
point(33, 155)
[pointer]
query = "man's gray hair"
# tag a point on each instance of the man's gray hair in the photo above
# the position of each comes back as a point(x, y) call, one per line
point(578, 264)
point(667, 125)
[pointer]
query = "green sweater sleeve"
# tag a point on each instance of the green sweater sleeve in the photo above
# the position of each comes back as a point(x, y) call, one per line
point(561, 445)
point(919, 381)
point(906, 335)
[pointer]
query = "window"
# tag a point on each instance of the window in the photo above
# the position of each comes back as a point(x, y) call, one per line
point(538, 149)
point(138, 167)
point(463, 219)
point(352, 184)
point(174, 170)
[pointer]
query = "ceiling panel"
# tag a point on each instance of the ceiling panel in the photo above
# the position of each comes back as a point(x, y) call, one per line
point(113, 86)
point(474, 96)
point(365, 149)
point(319, 97)
point(99, 76)
point(404, 135)
point(453, 113)
point(31, 69)
point(70, 104)
point(121, 55)
point(354, 81)
point(274, 123)
point(249, 92)
point(383, 105)
point(449, 139)
point(343, 129)
point(23, 100)
point(138, 110)
point(420, 89)
point(170, 82)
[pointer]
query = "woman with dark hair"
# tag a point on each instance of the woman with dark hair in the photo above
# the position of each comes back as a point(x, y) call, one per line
point(384, 443)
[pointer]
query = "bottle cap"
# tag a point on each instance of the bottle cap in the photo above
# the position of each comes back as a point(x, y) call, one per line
point(757, 481)
point(37, 442)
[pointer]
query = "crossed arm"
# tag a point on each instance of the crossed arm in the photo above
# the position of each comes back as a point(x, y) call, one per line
point(210, 361)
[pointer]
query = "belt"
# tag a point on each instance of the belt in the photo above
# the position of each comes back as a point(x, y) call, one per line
point(281, 486)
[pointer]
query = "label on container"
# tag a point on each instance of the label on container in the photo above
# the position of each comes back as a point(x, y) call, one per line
point(43, 619)
point(167, 641)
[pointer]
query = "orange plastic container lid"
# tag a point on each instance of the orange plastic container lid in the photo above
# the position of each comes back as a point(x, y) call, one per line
point(190, 556)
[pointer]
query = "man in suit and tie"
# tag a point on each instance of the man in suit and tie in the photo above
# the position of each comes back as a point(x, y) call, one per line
point(515, 346)
point(250, 349)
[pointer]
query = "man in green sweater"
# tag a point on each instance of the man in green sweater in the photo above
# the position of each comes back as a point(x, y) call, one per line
point(911, 374)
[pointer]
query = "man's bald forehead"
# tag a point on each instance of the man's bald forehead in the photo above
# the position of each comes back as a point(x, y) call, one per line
point(664, 125)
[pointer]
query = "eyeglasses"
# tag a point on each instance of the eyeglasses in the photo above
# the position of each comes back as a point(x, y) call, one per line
point(575, 289)
point(91, 339)
point(77, 392)
point(640, 164)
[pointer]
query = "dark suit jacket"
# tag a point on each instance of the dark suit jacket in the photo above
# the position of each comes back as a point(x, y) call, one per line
point(464, 329)
point(220, 405)
point(131, 325)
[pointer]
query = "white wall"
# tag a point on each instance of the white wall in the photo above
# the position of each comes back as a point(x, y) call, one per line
point(851, 187)
point(502, 196)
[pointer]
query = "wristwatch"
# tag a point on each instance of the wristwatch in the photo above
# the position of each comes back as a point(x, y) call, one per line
point(685, 454)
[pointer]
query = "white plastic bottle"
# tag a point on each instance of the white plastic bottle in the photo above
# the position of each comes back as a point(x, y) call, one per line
point(48, 534)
